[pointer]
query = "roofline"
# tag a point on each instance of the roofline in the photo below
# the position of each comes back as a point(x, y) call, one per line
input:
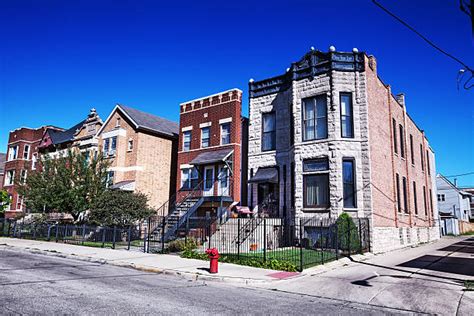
point(212, 95)
point(33, 128)
point(450, 183)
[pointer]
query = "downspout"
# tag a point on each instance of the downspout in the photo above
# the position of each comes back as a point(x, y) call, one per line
point(389, 93)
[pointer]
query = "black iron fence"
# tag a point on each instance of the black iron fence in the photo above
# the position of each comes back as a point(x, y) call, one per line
point(300, 244)
point(114, 237)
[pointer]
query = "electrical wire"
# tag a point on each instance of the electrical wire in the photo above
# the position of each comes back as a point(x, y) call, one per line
point(460, 175)
point(424, 37)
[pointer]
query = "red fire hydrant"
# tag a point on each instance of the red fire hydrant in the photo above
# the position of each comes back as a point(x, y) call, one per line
point(214, 258)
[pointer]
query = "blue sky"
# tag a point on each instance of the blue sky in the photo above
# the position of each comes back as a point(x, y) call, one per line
point(60, 58)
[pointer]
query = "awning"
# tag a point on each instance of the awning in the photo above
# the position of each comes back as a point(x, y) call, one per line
point(210, 157)
point(265, 175)
point(123, 185)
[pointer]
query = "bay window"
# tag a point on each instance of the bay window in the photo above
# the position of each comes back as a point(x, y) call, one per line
point(347, 125)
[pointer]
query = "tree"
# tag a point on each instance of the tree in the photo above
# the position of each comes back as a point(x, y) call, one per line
point(68, 184)
point(121, 208)
point(5, 200)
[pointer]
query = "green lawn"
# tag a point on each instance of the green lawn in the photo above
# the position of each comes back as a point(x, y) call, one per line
point(310, 257)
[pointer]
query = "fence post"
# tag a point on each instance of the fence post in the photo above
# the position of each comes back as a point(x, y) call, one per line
point(34, 231)
point(337, 241)
point(349, 235)
point(321, 240)
point(113, 238)
point(360, 237)
point(103, 236)
point(209, 230)
point(264, 240)
point(129, 236)
point(163, 227)
point(83, 233)
point(145, 239)
point(368, 234)
point(57, 232)
point(301, 245)
point(238, 238)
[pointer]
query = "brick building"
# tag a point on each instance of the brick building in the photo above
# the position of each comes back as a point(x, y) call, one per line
point(81, 137)
point(3, 158)
point(328, 136)
point(22, 157)
point(142, 150)
point(212, 151)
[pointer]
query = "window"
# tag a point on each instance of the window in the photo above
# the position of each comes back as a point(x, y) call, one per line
point(187, 141)
point(189, 178)
point(109, 179)
point(424, 201)
point(421, 157)
point(110, 146)
point(348, 179)
point(431, 202)
point(394, 131)
point(23, 176)
point(12, 153)
point(399, 207)
point(402, 141)
point(34, 159)
point(106, 146)
point(130, 145)
point(91, 128)
point(268, 131)
point(205, 135)
point(26, 152)
point(315, 124)
point(412, 151)
point(441, 198)
point(347, 125)
point(117, 123)
point(428, 162)
point(225, 134)
point(316, 183)
point(9, 177)
point(405, 195)
point(415, 200)
point(113, 146)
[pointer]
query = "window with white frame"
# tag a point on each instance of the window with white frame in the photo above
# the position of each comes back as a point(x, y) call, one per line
point(347, 120)
point(187, 141)
point(189, 178)
point(205, 136)
point(315, 122)
point(316, 183)
point(109, 179)
point(34, 160)
point(23, 174)
point(12, 152)
point(26, 152)
point(9, 177)
point(225, 133)
point(130, 145)
point(110, 146)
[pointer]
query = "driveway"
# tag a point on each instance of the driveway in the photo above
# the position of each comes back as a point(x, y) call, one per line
point(426, 279)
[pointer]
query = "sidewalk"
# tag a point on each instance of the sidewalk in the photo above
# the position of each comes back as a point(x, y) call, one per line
point(158, 263)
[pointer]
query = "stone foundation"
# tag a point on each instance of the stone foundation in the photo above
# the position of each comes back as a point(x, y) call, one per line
point(384, 239)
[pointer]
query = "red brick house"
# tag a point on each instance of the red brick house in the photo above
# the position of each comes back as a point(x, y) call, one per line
point(212, 155)
point(22, 157)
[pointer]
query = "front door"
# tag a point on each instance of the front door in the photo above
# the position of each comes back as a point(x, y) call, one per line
point(209, 181)
point(223, 181)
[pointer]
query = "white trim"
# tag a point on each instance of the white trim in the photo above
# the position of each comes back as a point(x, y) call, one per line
point(210, 147)
point(114, 132)
point(210, 96)
point(185, 166)
point(24, 141)
point(205, 124)
point(124, 169)
point(225, 120)
point(117, 107)
point(187, 128)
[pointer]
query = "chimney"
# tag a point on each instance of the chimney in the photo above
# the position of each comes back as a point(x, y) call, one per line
point(456, 182)
point(401, 98)
point(373, 63)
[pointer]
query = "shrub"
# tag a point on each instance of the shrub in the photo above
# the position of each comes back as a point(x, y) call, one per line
point(347, 233)
point(179, 245)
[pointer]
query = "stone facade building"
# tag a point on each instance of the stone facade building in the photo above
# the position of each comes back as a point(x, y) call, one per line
point(142, 150)
point(22, 158)
point(328, 136)
point(212, 150)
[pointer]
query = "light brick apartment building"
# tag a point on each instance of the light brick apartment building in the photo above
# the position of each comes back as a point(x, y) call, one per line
point(212, 151)
point(22, 158)
point(328, 136)
point(142, 150)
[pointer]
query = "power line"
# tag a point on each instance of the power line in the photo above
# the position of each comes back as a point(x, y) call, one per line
point(460, 175)
point(466, 67)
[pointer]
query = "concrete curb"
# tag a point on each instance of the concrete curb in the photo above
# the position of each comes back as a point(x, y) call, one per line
point(192, 276)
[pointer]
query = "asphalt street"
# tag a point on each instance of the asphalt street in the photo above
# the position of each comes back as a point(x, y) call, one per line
point(40, 284)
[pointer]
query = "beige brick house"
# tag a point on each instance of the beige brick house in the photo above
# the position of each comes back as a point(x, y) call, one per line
point(142, 149)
